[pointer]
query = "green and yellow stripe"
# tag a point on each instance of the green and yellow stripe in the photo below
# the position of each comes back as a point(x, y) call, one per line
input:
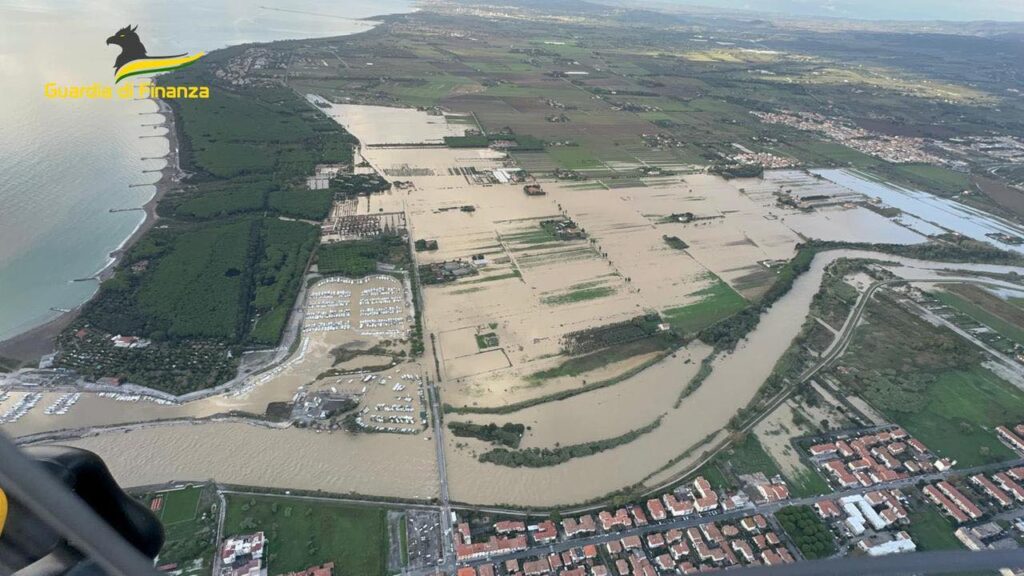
point(154, 65)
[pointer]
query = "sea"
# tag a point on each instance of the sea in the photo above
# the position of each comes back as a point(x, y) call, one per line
point(65, 164)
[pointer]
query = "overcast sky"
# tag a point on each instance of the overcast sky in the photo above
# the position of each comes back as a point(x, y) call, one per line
point(882, 9)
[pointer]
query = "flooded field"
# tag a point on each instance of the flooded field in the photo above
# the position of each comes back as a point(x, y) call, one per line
point(731, 385)
point(776, 432)
point(384, 125)
point(851, 225)
point(531, 269)
point(933, 210)
point(403, 465)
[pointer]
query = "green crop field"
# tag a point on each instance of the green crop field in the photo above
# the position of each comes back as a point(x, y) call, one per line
point(716, 302)
point(580, 295)
point(930, 529)
point(302, 534)
point(360, 257)
point(987, 309)
point(574, 157)
point(931, 381)
point(962, 410)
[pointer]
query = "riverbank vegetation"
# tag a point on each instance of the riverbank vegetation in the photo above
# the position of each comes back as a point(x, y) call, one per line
point(724, 335)
point(542, 457)
point(508, 434)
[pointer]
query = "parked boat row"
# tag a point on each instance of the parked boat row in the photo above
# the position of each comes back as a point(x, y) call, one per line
point(61, 405)
point(14, 413)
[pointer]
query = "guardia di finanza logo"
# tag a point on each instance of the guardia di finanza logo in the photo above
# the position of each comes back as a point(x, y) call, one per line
point(133, 59)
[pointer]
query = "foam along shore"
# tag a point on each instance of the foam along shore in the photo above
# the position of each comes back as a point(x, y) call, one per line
point(38, 341)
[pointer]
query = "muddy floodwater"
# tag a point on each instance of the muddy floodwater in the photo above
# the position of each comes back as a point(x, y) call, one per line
point(931, 209)
point(387, 125)
point(235, 453)
point(403, 465)
point(732, 384)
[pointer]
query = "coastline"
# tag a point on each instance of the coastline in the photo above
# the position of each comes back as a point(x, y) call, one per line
point(28, 346)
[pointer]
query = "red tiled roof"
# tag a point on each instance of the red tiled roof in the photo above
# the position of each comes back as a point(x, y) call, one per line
point(1002, 497)
point(495, 545)
point(711, 532)
point(826, 508)
point(585, 525)
point(639, 518)
point(655, 540)
point(744, 549)
point(535, 567)
point(632, 542)
point(917, 445)
point(679, 549)
point(939, 498)
point(545, 532)
point(819, 449)
point(844, 448)
point(510, 526)
point(1010, 486)
point(962, 501)
point(676, 506)
point(656, 509)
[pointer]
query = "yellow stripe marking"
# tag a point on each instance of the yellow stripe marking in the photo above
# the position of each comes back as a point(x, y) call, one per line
point(142, 66)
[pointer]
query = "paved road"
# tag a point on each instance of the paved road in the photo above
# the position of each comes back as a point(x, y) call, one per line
point(447, 560)
point(333, 500)
point(222, 511)
point(447, 546)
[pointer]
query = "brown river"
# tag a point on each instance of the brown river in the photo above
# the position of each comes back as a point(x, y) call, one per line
point(404, 466)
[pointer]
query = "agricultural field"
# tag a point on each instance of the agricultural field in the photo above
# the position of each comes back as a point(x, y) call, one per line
point(1003, 316)
point(301, 534)
point(930, 529)
point(716, 302)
